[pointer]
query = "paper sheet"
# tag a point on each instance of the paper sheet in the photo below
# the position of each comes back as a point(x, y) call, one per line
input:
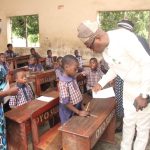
point(45, 98)
point(108, 92)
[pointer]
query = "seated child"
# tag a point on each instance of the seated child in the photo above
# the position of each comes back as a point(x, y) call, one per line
point(69, 94)
point(3, 62)
point(34, 53)
point(9, 53)
point(58, 68)
point(34, 66)
point(25, 92)
point(93, 74)
point(79, 58)
point(49, 60)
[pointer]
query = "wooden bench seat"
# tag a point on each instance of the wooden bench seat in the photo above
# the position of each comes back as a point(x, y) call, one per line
point(51, 139)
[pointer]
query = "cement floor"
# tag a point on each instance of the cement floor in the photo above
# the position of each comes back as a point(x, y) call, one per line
point(99, 145)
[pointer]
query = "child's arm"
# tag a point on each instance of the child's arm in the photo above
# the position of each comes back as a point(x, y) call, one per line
point(75, 110)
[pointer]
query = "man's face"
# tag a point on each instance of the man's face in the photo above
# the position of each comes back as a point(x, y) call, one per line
point(99, 45)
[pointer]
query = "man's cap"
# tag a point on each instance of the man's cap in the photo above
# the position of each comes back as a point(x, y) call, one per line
point(127, 24)
point(87, 32)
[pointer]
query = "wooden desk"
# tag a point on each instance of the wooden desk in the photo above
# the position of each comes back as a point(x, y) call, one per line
point(18, 122)
point(41, 78)
point(18, 60)
point(82, 133)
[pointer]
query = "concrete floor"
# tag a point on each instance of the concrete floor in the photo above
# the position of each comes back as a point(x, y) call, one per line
point(99, 145)
point(107, 146)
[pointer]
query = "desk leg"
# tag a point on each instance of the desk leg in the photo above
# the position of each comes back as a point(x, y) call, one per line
point(109, 134)
point(16, 136)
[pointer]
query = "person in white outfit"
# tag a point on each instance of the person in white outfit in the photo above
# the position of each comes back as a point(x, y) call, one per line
point(127, 58)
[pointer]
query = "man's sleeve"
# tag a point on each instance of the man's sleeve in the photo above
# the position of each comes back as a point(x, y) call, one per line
point(110, 75)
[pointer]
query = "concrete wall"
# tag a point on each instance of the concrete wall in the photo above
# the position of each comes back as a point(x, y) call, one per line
point(58, 20)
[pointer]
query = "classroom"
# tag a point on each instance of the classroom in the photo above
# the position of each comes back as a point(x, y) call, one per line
point(74, 75)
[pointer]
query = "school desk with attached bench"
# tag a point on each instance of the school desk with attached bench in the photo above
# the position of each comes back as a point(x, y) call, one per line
point(19, 124)
point(82, 133)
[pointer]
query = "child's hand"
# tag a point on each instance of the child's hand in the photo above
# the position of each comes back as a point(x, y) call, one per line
point(83, 113)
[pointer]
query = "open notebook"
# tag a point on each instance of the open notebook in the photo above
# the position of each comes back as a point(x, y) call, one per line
point(105, 93)
point(45, 98)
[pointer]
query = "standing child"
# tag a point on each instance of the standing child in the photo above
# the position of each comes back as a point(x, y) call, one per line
point(25, 92)
point(49, 60)
point(93, 74)
point(34, 66)
point(70, 95)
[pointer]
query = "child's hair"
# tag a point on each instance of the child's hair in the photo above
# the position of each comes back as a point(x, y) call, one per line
point(18, 72)
point(49, 50)
point(68, 60)
point(8, 45)
point(59, 58)
point(94, 59)
point(32, 49)
point(1, 54)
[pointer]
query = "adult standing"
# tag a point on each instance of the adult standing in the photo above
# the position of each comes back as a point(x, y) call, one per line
point(3, 93)
point(127, 58)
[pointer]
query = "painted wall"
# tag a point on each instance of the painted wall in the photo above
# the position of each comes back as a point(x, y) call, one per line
point(58, 20)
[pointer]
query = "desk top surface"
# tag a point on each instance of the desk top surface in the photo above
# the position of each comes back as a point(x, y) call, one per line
point(23, 112)
point(84, 126)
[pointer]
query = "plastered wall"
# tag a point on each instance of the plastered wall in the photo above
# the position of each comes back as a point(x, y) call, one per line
point(58, 20)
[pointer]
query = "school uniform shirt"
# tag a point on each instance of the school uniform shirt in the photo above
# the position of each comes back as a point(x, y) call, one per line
point(6, 66)
point(49, 61)
point(24, 95)
point(59, 72)
point(10, 54)
point(69, 90)
point(93, 76)
point(36, 67)
point(36, 55)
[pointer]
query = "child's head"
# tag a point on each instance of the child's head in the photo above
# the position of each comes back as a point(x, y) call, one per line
point(49, 52)
point(59, 61)
point(32, 60)
point(93, 63)
point(70, 65)
point(2, 57)
point(9, 46)
point(76, 52)
point(21, 77)
point(32, 51)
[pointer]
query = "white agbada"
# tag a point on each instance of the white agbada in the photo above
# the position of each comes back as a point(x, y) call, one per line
point(127, 58)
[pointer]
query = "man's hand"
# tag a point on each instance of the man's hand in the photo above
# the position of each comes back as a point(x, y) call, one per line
point(141, 103)
point(97, 88)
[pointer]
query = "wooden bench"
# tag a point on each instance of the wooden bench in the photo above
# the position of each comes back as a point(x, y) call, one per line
point(82, 133)
point(51, 139)
point(43, 77)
